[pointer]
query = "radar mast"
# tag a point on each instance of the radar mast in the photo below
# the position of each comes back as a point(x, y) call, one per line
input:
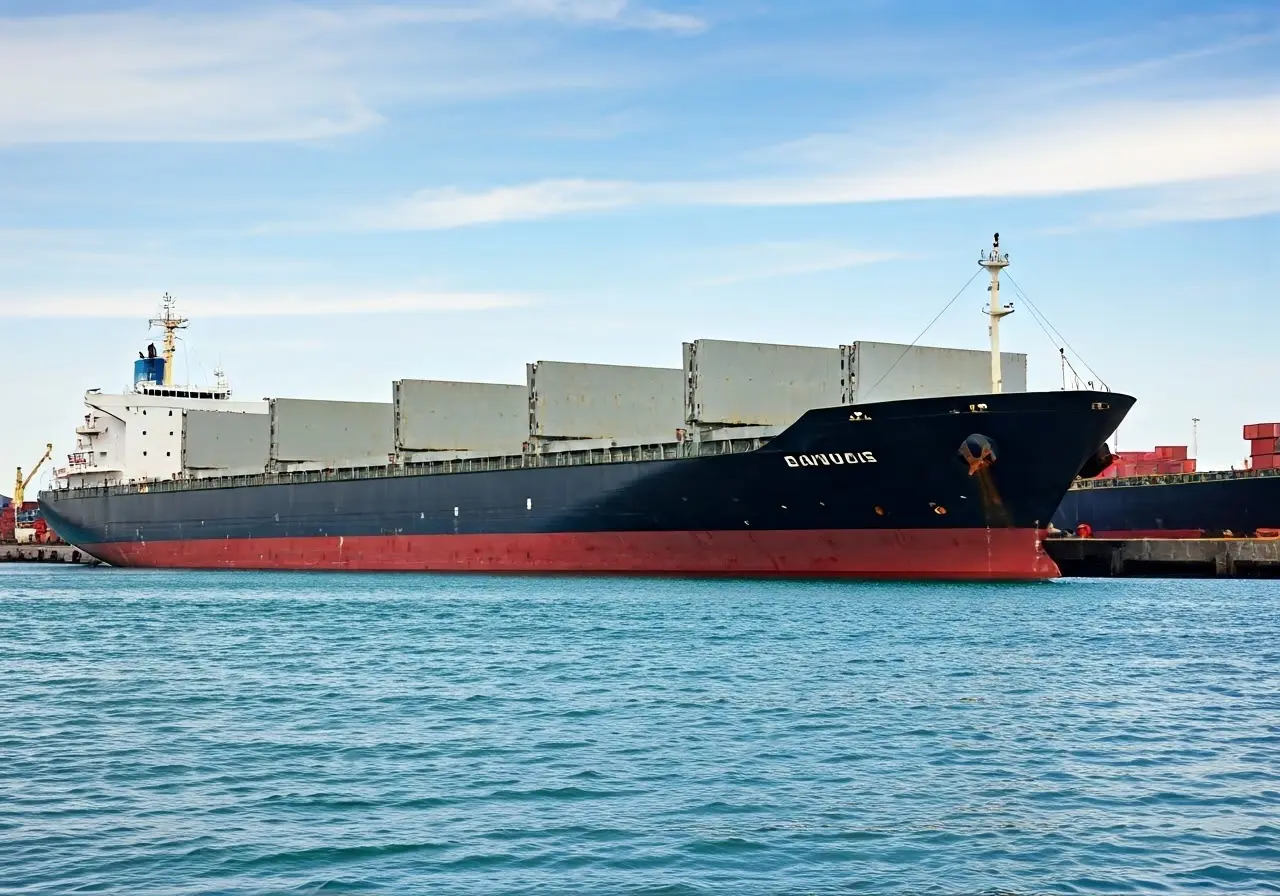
point(171, 322)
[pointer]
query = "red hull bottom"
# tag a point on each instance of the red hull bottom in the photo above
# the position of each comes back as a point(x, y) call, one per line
point(965, 554)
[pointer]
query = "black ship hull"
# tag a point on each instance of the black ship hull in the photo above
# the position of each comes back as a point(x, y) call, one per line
point(1191, 506)
point(932, 488)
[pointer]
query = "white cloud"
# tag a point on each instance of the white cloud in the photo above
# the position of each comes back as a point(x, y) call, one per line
point(136, 76)
point(609, 13)
point(449, 208)
point(231, 303)
point(1106, 147)
point(618, 13)
point(1247, 197)
point(768, 260)
point(284, 72)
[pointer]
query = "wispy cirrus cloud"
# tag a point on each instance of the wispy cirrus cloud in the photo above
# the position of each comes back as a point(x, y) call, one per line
point(605, 13)
point(1220, 200)
point(222, 302)
point(611, 13)
point(1107, 147)
point(281, 72)
point(766, 261)
point(449, 208)
point(1248, 197)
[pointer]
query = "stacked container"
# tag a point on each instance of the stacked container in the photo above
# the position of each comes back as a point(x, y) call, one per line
point(25, 523)
point(1163, 460)
point(1264, 445)
point(1173, 459)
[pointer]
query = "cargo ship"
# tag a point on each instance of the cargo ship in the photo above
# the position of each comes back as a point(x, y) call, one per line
point(1142, 498)
point(784, 470)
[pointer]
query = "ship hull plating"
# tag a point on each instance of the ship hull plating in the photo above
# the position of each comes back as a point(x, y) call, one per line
point(1184, 507)
point(931, 488)
point(969, 554)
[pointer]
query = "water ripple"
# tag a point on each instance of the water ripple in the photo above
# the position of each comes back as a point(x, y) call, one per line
point(295, 733)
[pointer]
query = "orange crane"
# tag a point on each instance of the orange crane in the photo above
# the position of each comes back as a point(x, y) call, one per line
point(20, 484)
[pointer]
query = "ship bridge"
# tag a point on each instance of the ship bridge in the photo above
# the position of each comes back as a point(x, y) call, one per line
point(138, 433)
point(205, 393)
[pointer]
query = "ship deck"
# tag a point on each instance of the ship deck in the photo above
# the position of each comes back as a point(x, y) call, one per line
point(622, 454)
point(1172, 479)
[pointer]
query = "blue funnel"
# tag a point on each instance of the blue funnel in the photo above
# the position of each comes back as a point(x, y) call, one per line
point(148, 370)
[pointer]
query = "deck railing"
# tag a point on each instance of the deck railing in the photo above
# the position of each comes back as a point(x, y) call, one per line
point(626, 454)
point(1175, 478)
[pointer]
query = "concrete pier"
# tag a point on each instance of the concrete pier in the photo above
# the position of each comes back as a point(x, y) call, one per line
point(44, 553)
point(1200, 558)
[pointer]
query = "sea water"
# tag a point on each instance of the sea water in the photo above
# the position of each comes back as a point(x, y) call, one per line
point(246, 733)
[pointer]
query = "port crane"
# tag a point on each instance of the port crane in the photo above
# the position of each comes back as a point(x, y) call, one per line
point(20, 484)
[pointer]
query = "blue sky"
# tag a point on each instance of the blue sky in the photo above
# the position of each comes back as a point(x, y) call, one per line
point(343, 194)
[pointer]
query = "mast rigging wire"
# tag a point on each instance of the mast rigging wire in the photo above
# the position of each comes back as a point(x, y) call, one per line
point(1038, 316)
point(1061, 339)
point(922, 332)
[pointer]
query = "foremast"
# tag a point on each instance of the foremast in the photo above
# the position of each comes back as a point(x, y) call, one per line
point(994, 261)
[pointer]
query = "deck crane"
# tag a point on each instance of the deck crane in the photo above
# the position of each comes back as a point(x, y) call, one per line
point(20, 484)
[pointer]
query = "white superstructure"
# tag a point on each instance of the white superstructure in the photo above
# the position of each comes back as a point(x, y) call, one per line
point(137, 434)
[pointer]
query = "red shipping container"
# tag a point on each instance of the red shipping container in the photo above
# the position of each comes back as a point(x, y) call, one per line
point(1189, 465)
point(1261, 431)
point(1136, 457)
point(1265, 462)
point(1263, 446)
point(1171, 452)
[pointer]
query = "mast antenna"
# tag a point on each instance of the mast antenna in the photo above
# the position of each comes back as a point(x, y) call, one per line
point(994, 262)
point(171, 322)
